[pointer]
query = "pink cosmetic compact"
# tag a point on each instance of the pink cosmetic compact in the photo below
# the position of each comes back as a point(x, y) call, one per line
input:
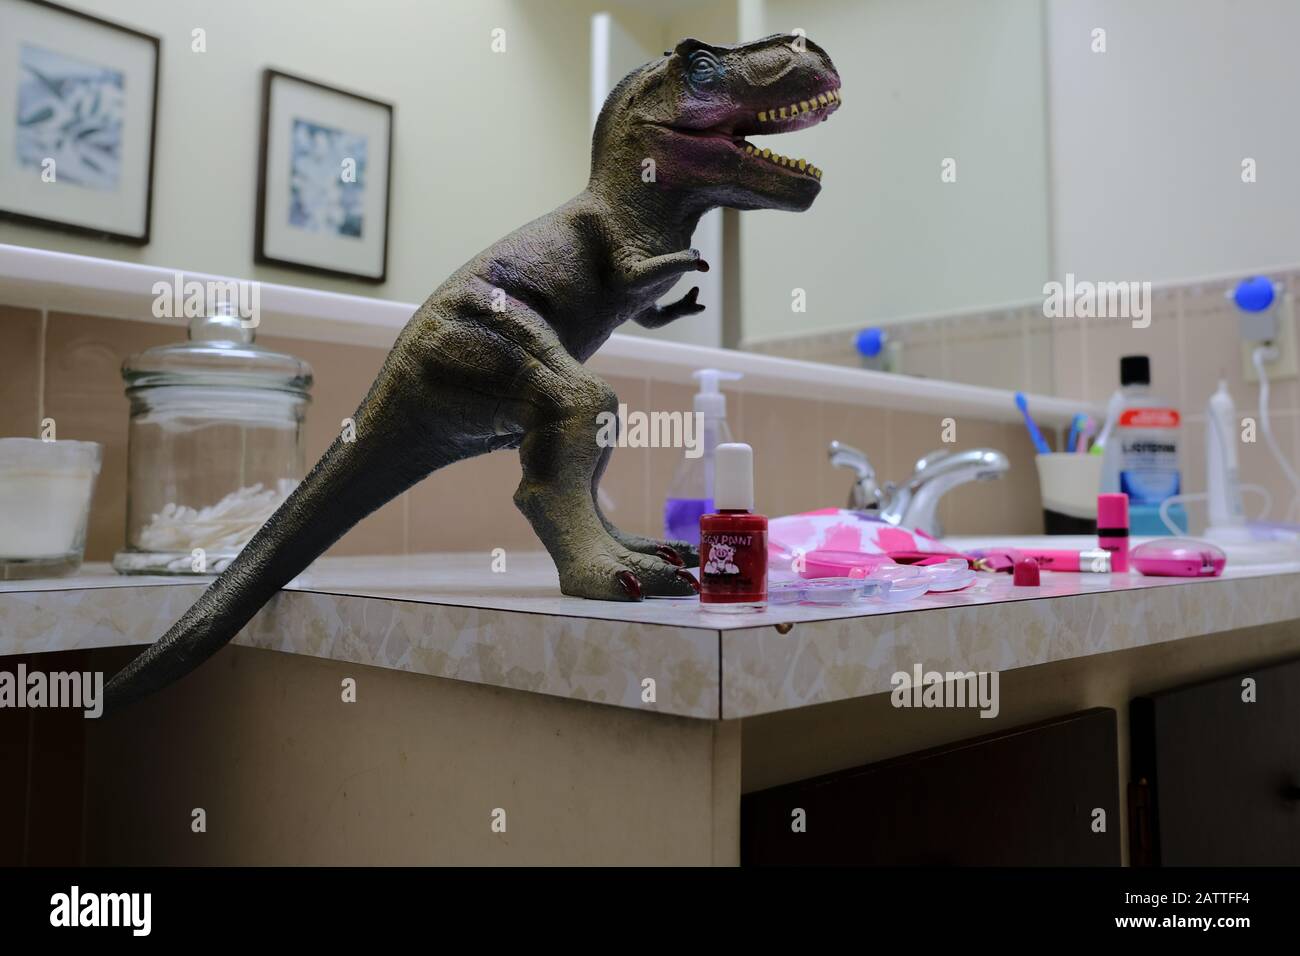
point(1178, 558)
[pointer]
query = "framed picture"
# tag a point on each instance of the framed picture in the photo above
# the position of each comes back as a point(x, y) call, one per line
point(78, 109)
point(323, 187)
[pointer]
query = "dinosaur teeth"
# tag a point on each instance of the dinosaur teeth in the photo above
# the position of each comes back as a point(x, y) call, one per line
point(820, 101)
point(789, 162)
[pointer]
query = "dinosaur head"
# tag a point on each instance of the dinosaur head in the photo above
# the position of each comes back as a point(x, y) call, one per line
point(691, 111)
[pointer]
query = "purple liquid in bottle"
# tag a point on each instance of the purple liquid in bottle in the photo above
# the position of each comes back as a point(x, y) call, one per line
point(682, 518)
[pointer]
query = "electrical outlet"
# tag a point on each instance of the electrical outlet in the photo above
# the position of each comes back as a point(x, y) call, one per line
point(1284, 366)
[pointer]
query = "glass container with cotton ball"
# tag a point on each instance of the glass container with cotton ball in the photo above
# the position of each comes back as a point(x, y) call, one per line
point(214, 444)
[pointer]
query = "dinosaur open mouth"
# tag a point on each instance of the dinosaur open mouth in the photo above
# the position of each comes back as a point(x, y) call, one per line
point(786, 119)
point(800, 114)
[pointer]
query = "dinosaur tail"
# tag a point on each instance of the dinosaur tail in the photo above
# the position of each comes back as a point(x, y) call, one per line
point(351, 480)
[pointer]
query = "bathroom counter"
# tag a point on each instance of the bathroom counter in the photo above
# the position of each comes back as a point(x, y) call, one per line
point(451, 616)
point(322, 761)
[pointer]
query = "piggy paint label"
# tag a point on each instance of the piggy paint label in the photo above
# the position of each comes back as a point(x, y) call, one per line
point(733, 564)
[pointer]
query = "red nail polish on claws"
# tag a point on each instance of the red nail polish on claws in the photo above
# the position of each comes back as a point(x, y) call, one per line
point(631, 584)
point(671, 556)
point(690, 579)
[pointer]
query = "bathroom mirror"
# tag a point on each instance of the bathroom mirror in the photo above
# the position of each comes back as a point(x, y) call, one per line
point(986, 150)
point(1124, 158)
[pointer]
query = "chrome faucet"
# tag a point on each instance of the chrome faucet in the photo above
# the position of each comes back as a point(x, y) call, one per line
point(914, 502)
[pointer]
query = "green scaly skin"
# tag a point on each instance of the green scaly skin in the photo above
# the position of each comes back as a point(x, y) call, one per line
point(493, 359)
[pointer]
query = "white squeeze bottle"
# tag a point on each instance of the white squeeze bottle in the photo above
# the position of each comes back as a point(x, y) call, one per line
point(1141, 454)
point(691, 493)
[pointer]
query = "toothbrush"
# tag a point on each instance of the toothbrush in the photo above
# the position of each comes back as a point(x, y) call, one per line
point(1085, 434)
point(1039, 442)
point(1072, 442)
point(1113, 408)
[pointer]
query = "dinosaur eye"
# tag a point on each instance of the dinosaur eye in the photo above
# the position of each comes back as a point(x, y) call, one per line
point(704, 68)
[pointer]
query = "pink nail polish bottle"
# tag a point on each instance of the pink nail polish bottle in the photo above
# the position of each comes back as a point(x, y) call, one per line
point(1112, 529)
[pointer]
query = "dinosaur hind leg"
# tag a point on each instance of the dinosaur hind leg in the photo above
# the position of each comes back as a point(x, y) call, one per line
point(671, 551)
point(560, 457)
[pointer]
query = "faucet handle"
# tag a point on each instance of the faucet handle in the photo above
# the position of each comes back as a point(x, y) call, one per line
point(846, 456)
point(865, 494)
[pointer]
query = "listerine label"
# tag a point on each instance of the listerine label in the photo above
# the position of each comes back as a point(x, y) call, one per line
point(1148, 459)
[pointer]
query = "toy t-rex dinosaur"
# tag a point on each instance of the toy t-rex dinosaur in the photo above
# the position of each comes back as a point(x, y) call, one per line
point(493, 359)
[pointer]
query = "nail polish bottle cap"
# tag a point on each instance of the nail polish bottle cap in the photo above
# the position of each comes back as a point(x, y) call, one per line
point(733, 477)
point(1025, 574)
point(1112, 511)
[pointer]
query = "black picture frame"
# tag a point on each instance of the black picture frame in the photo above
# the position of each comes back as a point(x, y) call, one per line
point(94, 231)
point(260, 255)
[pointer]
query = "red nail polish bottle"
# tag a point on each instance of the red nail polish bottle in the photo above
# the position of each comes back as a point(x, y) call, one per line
point(733, 541)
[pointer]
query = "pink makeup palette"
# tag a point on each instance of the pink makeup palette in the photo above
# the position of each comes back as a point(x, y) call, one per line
point(1178, 558)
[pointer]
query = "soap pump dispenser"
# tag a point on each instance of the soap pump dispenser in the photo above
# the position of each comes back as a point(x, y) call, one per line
point(691, 493)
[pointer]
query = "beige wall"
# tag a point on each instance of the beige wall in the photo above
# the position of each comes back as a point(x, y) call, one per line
point(483, 142)
point(1148, 138)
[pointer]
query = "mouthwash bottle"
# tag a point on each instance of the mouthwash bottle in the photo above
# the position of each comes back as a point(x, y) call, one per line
point(1141, 455)
point(691, 493)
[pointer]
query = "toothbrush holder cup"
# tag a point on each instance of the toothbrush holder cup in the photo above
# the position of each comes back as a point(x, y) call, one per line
point(1068, 484)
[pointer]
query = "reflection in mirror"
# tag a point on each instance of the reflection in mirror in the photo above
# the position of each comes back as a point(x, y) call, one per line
point(935, 198)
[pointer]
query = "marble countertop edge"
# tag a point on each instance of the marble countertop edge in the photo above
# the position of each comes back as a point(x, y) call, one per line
point(518, 632)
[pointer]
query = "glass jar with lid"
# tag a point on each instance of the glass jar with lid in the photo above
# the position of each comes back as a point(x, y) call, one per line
point(214, 445)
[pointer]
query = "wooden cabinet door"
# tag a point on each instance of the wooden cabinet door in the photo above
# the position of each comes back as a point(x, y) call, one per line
point(1216, 775)
point(1028, 796)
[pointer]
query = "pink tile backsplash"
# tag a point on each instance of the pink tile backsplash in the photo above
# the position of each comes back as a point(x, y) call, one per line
point(68, 366)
